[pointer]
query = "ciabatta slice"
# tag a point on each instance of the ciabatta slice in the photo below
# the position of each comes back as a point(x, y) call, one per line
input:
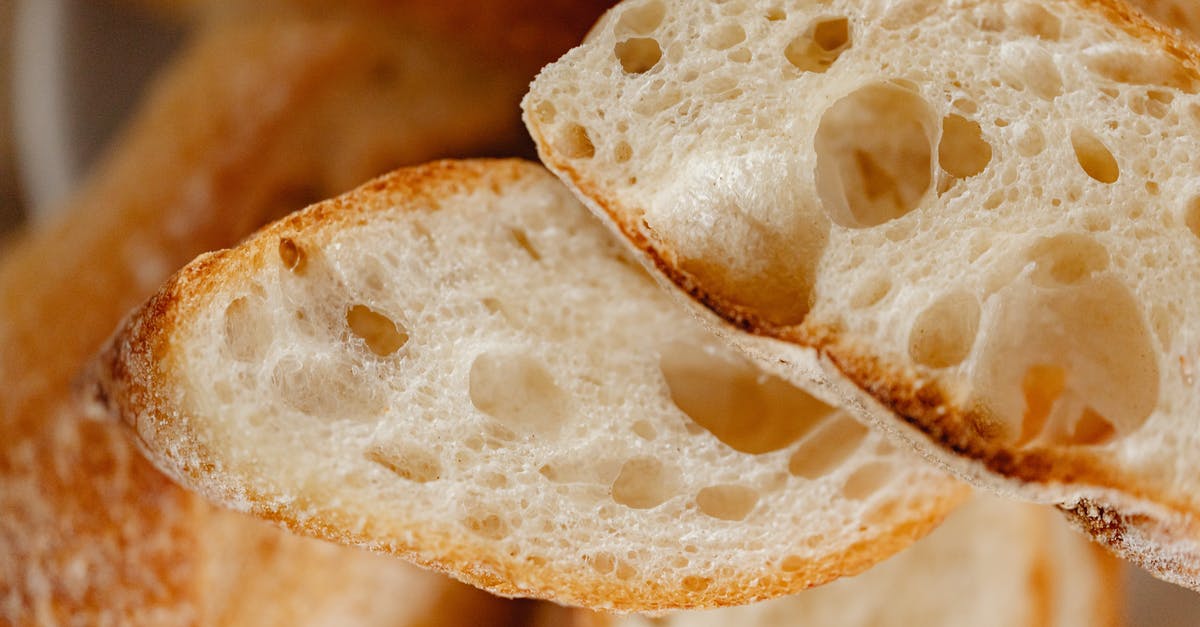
point(978, 222)
point(457, 365)
point(993, 563)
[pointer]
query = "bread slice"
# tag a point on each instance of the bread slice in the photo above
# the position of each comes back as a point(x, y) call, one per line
point(455, 364)
point(90, 533)
point(985, 242)
point(993, 563)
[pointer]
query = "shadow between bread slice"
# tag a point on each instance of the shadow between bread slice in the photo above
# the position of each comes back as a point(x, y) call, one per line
point(455, 364)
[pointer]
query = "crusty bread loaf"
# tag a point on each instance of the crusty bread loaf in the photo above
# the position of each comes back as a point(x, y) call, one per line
point(975, 223)
point(993, 563)
point(252, 118)
point(457, 365)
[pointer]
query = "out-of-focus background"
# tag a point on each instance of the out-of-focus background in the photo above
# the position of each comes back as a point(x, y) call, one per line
point(72, 70)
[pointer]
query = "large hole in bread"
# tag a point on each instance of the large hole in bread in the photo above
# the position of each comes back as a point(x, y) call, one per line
point(1134, 67)
point(963, 152)
point(727, 502)
point(943, 334)
point(1035, 20)
point(382, 335)
point(1191, 215)
point(742, 406)
point(638, 54)
point(874, 155)
point(644, 483)
point(518, 391)
point(573, 142)
point(248, 329)
point(641, 19)
point(816, 49)
point(725, 36)
point(867, 480)
point(827, 448)
point(1071, 364)
point(292, 255)
point(1094, 157)
point(408, 462)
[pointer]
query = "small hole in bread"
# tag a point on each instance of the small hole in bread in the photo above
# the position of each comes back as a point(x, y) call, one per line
point(742, 406)
point(870, 291)
point(644, 430)
point(644, 483)
point(1066, 259)
point(1191, 215)
point(602, 562)
point(776, 14)
point(694, 583)
point(793, 563)
point(867, 480)
point(1035, 20)
point(517, 390)
point(408, 462)
point(641, 19)
point(638, 54)
point(727, 502)
point(248, 329)
point(380, 333)
point(874, 155)
point(827, 448)
point(574, 143)
point(943, 334)
point(725, 36)
point(963, 151)
point(622, 152)
point(292, 255)
point(1134, 67)
point(820, 46)
point(1094, 157)
point(487, 525)
point(522, 240)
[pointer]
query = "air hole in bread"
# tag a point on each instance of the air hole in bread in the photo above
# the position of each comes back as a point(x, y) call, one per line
point(517, 390)
point(487, 525)
point(602, 562)
point(1058, 363)
point(870, 291)
point(874, 155)
point(522, 239)
point(325, 387)
point(644, 430)
point(745, 408)
point(1027, 66)
point(292, 255)
point(382, 335)
point(407, 462)
point(622, 152)
point(963, 152)
point(727, 502)
point(827, 448)
point(641, 19)
point(1066, 259)
point(1132, 67)
point(820, 46)
point(725, 36)
point(626, 571)
point(776, 14)
point(248, 329)
point(645, 483)
point(943, 334)
point(793, 563)
point(741, 55)
point(694, 583)
point(867, 480)
point(1191, 215)
point(1094, 157)
point(1034, 20)
point(572, 141)
point(1030, 140)
point(638, 54)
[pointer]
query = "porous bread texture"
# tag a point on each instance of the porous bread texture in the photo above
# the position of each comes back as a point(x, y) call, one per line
point(992, 563)
point(973, 223)
point(457, 365)
point(91, 533)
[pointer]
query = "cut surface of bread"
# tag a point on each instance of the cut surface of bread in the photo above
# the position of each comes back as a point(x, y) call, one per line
point(1181, 14)
point(91, 533)
point(993, 563)
point(975, 223)
point(455, 364)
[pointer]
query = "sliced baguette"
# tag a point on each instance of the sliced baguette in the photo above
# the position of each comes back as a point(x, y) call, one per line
point(993, 563)
point(92, 534)
point(973, 223)
point(455, 364)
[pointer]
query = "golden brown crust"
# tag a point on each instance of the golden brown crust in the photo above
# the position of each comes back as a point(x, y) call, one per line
point(149, 332)
point(90, 532)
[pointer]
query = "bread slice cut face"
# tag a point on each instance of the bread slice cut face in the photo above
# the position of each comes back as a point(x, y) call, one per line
point(456, 364)
point(993, 563)
point(974, 223)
